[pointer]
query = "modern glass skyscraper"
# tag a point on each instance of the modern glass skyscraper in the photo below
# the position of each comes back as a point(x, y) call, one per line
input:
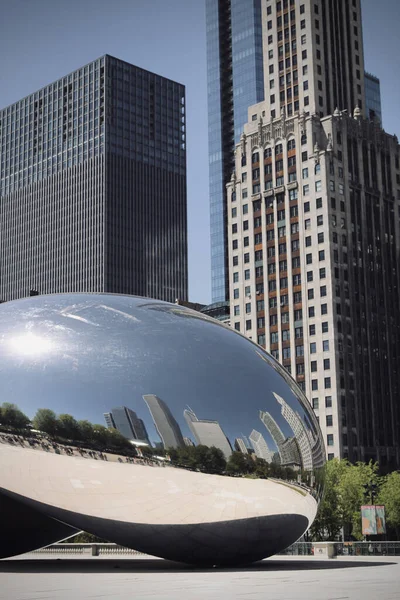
point(373, 106)
point(235, 81)
point(127, 423)
point(93, 185)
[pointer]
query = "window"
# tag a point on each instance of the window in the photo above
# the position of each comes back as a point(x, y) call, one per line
point(285, 318)
point(321, 255)
point(325, 345)
point(247, 291)
point(308, 241)
point(315, 403)
point(321, 238)
point(236, 310)
point(318, 186)
point(255, 158)
point(296, 279)
point(300, 369)
point(236, 277)
point(313, 348)
point(286, 335)
point(296, 262)
point(247, 274)
point(317, 169)
point(327, 383)
point(324, 309)
point(282, 249)
point(307, 224)
point(261, 339)
point(298, 333)
point(322, 291)
point(236, 293)
point(310, 294)
point(309, 259)
point(283, 283)
point(306, 207)
point(305, 173)
point(327, 364)
point(318, 202)
point(306, 190)
point(305, 85)
point(325, 327)
point(273, 320)
point(297, 298)
point(244, 193)
point(329, 420)
point(235, 261)
point(237, 326)
point(311, 311)
point(328, 401)
point(260, 305)
point(298, 314)
point(314, 366)
point(314, 384)
point(248, 325)
point(274, 337)
point(246, 257)
point(235, 244)
point(300, 350)
point(234, 212)
point(312, 329)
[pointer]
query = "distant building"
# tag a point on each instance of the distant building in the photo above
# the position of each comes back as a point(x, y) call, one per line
point(127, 423)
point(188, 441)
point(165, 423)
point(373, 105)
point(260, 446)
point(240, 446)
point(287, 446)
point(207, 433)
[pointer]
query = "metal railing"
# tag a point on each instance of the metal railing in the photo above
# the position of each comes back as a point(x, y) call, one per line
point(297, 549)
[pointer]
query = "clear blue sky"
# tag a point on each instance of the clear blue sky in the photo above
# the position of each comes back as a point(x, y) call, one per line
point(42, 40)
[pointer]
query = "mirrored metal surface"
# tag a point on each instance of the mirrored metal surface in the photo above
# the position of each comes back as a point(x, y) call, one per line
point(170, 433)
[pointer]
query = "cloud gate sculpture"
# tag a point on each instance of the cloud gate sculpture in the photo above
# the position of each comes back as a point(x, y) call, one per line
point(152, 426)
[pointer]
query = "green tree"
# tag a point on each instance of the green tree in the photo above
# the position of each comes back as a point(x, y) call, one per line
point(352, 494)
point(100, 436)
point(328, 521)
point(86, 431)
point(12, 416)
point(240, 464)
point(68, 427)
point(45, 420)
point(389, 496)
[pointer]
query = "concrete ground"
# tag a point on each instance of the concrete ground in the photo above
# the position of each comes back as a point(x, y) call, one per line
point(278, 578)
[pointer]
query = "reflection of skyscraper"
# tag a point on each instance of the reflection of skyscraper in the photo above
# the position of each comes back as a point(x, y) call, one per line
point(300, 433)
point(207, 433)
point(287, 447)
point(260, 446)
point(240, 446)
point(166, 425)
point(188, 441)
point(127, 423)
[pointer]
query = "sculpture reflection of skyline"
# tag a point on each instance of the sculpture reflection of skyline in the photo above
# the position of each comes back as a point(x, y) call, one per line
point(299, 449)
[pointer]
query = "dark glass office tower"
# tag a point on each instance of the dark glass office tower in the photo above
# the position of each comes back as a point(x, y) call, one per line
point(93, 186)
point(235, 82)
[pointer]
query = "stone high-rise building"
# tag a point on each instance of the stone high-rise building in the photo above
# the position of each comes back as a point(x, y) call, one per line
point(313, 209)
point(93, 186)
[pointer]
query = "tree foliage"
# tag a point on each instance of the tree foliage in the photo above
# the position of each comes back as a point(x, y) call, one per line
point(12, 416)
point(389, 495)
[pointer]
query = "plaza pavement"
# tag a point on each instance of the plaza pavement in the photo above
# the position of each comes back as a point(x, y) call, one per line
point(31, 577)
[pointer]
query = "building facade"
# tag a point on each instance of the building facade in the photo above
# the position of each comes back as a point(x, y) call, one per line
point(207, 433)
point(165, 423)
point(373, 106)
point(235, 81)
point(314, 255)
point(93, 186)
point(127, 423)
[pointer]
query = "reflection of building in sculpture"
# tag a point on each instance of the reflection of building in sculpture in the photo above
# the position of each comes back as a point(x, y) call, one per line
point(294, 421)
point(188, 441)
point(240, 446)
point(166, 425)
point(318, 452)
point(260, 446)
point(207, 433)
point(287, 447)
point(127, 423)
